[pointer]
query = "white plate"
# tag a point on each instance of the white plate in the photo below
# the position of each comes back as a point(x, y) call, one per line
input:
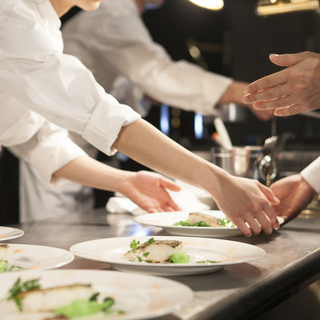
point(139, 296)
point(7, 233)
point(166, 220)
point(32, 257)
point(112, 251)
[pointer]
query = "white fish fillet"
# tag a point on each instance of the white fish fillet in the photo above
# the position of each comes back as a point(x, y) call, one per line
point(48, 300)
point(4, 249)
point(195, 217)
point(159, 250)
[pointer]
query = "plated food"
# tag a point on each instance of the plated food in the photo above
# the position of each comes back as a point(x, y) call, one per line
point(18, 257)
point(7, 233)
point(88, 294)
point(215, 223)
point(206, 255)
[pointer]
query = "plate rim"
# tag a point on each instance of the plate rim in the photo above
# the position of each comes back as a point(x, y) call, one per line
point(20, 233)
point(154, 314)
point(167, 266)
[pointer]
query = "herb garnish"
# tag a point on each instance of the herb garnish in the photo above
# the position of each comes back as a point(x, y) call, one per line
point(210, 261)
point(20, 287)
point(4, 267)
point(136, 245)
point(224, 222)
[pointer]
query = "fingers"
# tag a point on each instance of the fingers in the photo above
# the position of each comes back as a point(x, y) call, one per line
point(270, 81)
point(269, 194)
point(287, 60)
point(288, 111)
point(166, 183)
point(267, 94)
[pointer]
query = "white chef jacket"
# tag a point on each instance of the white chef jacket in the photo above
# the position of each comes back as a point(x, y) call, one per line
point(34, 70)
point(312, 175)
point(113, 41)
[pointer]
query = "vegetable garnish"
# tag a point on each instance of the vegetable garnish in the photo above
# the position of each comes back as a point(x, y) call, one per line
point(224, 222)
point(179, 257)
point(134, 244)
point(82, 308)
point(187, 223)
point(4, 267)
point(210, 261)
point(19, 287)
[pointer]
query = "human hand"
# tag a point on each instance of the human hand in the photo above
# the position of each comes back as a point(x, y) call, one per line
point(148, 191)
point(294, 193)
point(234, 94)
point(293, 90)
point(246, 203)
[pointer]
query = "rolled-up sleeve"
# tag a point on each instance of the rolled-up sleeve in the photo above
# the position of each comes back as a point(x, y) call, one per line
point(48, 151)
point(57, 86)
point(312, 175)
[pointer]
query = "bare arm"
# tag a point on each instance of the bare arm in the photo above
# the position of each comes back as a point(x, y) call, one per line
point(146, 189)
point(242, 200)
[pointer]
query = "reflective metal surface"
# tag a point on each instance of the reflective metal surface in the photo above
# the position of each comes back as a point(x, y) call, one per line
point(237, 292)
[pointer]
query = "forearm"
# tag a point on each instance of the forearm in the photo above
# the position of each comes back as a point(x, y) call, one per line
point(90, 172)
point(147, 145)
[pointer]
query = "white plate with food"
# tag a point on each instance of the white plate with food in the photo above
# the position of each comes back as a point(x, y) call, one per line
point(151, 256)
point(7, 233)
point(68, 293)
point(20, 257)
point(204, 223)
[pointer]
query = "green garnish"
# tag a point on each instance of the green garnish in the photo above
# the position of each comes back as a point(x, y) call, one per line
point(4, 267)
point(82, 308)
point(134, 245)
point(224, 222)
point(187, 223)
point(179, 257)
point(19, 287)
point(208, 261)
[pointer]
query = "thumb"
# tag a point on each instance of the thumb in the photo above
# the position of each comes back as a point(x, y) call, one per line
point(269, 194)
point(168, 184)
point(286, 60)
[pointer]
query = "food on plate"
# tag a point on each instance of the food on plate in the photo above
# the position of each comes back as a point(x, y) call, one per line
point(157, 251)
point(4, 250)
point(70, 301)
point(197, 219)
point(4, 264)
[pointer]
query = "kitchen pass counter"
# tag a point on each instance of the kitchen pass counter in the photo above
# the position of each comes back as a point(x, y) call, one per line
point(242, 291)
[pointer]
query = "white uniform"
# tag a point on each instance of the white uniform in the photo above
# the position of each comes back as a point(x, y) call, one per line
point(312, 175)
point(115, 45)
point(38, 81)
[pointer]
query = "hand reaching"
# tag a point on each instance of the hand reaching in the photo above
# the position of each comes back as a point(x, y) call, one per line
point(294, 193)
point(148, 191)
point(293, 90)
point(247, 202)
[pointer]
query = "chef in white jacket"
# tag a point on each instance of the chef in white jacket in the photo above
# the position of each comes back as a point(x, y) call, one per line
point(34, 70)
point(115, 45)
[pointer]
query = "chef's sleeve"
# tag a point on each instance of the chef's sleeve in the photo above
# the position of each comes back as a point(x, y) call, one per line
point(57, 86)
point(47, 151)
point(312, 175)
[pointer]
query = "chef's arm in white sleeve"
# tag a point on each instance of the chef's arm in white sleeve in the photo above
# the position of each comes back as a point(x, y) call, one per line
point(47, 151)
point(251, 201)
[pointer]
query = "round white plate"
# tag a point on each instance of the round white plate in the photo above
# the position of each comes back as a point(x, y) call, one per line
point(139, 296)
point(166, 220)
point(7, 233)
point(31, 257)
point(112, 251)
